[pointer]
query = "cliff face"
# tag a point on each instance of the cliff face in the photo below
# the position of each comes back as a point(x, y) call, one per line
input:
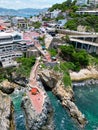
point(84, 74)
point(6, 112)
point(65, 94)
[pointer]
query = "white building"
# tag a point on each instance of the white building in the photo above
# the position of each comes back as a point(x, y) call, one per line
point(20, 21)
point(90, 12)
point(81, 2)
point(94, 2)
point(61, 22)
point(55, 13)
point(36, 19)
point(11, 46)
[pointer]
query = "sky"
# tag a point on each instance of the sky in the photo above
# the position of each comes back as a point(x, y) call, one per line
point(20, 4)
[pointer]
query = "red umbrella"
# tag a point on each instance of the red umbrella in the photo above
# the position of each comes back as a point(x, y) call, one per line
point(34, 91)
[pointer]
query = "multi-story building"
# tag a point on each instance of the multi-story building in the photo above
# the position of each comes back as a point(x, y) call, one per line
point(90, 12)
point(11, 46)
point(20, 22)
point(81, 2)
point(53, 14)
point(94, 2)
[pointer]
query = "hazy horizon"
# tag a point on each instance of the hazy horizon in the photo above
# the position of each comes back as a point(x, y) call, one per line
point(22, 4)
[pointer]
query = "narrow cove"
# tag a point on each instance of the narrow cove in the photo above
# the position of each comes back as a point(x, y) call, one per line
point(86, 98)
point(18, 112)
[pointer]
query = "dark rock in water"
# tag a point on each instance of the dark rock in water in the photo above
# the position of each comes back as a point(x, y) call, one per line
point(22, 81)
point(7, 87)
point(6, 113)
point(35, 121)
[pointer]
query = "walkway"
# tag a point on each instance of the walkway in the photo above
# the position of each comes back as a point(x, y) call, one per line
point(45, 53)
point(38, 99)
point(84, 42)
point(84, 36)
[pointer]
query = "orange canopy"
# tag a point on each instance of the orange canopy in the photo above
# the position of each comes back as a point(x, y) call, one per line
point(34, 91)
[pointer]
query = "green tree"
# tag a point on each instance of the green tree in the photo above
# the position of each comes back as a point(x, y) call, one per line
point(37, 24)
point(53, 52)
point(71, 24)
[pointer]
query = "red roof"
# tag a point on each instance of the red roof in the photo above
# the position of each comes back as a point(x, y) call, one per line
point(2, 28)
point(34, 91)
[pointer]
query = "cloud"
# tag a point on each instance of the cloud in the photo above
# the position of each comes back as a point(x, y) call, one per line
point(17, 4)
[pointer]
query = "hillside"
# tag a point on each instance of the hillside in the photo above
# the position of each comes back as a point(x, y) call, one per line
point(67, 5)
point(21, 12)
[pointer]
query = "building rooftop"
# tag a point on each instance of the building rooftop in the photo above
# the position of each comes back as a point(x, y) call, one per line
point(9, 34)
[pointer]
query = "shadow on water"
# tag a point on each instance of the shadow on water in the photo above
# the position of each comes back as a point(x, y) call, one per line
point(18, 113)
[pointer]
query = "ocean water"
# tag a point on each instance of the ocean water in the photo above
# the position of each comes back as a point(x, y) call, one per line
point(86, 98)
point(18, 113)
point(62, 119)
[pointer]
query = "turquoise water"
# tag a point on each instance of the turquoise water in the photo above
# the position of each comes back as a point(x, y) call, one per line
point(18, 113)
point(61, 117)
point(86, 99)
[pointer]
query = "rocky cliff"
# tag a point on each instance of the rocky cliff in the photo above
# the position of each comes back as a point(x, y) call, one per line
point(6, 112)
point(84, 74)
point(65, 94)
point(35, 121)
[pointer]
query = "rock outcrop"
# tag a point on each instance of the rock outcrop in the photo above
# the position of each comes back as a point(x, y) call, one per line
point(7, 87)
point(35, 121)
point(6, 112)
point(65, 94)
point(84, 74)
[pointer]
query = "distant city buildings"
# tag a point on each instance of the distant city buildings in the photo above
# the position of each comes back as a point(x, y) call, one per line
point(6, 23)
point(94, 2)
point(87, 2)
point(81, 2)
point(53, 14)
point(20, 22)
point(35, 19)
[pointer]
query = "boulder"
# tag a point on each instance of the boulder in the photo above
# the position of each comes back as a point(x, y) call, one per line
point(7, 87)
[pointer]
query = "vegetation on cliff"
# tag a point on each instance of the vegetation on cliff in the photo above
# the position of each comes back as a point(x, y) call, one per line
point(36, 25)
point(77, 58)
point(23, 69)
point(25, 65)
point(90, 21)
point(67, 5)
point(63, 68)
